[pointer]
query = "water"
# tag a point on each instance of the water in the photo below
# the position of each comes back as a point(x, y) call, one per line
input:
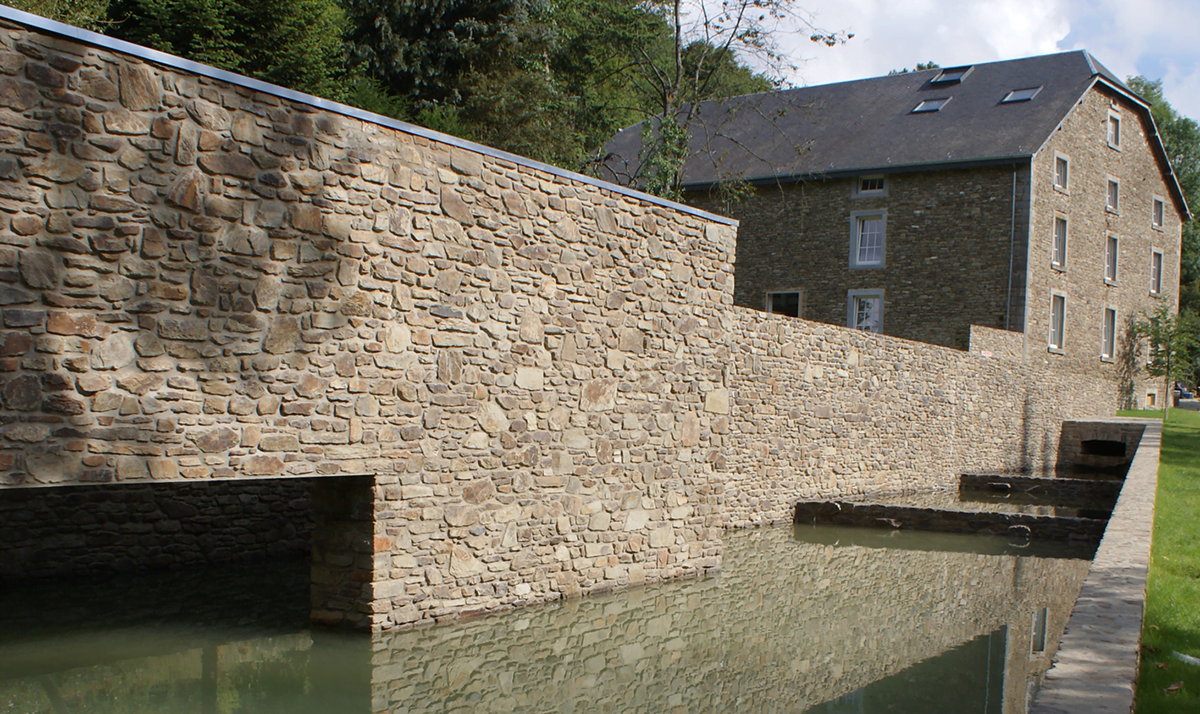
point(811, 619)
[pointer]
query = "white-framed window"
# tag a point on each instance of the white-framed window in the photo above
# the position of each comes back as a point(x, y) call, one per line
point(1062, 172)
point(1040, 618)
point(1156, 265)
point(869, 186)
point(1108, 334)
point(1058, 321)
point(784, 302)
point(1058, 252)
point(868, 238)
point(864, 310)
point(1112, 251)
point(1112, 199)
point(1114, 129)
point(1157, 212)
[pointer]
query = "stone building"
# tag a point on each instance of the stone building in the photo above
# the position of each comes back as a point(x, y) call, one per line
point(1030, 195)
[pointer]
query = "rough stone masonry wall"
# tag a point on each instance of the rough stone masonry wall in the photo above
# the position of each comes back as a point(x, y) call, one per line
point(796, 237)
point(203, 281)
point(824, 411)
point(1082, 139)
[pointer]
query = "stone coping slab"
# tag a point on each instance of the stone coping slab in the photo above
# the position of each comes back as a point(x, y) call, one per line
point(1095, 670)
point(880, 515)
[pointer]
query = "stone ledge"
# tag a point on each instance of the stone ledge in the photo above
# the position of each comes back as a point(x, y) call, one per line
point(1096, 667)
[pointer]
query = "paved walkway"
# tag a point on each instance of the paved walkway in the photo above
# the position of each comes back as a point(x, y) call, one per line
point(1096, 667)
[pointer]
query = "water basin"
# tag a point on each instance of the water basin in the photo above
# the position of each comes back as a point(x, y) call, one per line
point(801, 619)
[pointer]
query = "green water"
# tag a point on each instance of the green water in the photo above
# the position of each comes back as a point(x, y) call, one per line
point(812, 619)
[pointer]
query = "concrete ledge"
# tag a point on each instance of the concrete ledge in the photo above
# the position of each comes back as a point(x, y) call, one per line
point(1095, 670)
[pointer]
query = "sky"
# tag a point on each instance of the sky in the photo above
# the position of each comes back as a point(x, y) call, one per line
point(1154, 38)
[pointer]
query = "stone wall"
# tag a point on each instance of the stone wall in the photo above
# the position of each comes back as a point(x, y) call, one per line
point(946, 266)
point(824, 411)
point(990, 342)
point(543, 377)
point(92, 530)
point(206, 281)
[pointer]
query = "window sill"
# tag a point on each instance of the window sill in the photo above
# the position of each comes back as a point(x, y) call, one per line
point(1158, 295)
point(1160, 229)
point(1058, 267)
point(1055, 350)
point(1107, 360)
point(1114, 147)
point(1064, 191)
point(870, 194)
point(1110, 283)
point(867, 266)
point(1110, 209)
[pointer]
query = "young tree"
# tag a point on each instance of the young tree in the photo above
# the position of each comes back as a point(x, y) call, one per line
point(1172, 342)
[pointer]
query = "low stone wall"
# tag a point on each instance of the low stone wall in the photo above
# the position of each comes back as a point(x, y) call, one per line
point(1095, 670)
point(824, 411)
point(1082, 447)
point(94, 530)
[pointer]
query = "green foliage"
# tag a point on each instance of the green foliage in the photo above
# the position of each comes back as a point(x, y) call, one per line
point(293, 43)
point(1172, 620)
point(921, 67)
point(88, 14)
point(548, 79)
point(1172, 342)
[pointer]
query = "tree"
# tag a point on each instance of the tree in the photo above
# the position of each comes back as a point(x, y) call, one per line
point(294, 43)
point(549, 79)
point(921, 67)
point(88, 14)
point(1172, 342)
point(706, 38)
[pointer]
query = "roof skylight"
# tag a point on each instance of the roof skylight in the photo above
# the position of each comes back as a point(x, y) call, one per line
point(952, 75)
point(930, 105)
point(1021, 95)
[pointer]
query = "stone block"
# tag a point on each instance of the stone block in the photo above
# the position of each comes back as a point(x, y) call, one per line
point(717, 401)
point(598, 395)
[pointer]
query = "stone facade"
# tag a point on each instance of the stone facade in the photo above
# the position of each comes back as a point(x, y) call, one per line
point(1081, 279)
point(946, 264)
point(542, 378)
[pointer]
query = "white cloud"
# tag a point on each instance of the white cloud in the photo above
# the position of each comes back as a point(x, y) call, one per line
point(1150, 37)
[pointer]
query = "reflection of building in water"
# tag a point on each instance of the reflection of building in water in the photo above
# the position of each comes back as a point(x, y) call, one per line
point(790, 626)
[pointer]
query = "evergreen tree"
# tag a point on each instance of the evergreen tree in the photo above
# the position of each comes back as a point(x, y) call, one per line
point(293, 43)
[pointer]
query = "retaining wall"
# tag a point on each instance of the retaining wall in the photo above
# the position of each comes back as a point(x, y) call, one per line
point(206, 277)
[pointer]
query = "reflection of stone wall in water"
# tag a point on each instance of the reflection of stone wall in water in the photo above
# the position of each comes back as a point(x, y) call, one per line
point(773, 632)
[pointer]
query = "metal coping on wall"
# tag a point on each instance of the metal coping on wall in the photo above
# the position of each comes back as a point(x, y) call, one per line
point(865, 170)
point(94, 39)
point(10, 487)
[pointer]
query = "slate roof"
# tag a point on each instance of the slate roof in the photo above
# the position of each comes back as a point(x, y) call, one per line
point(868, 125)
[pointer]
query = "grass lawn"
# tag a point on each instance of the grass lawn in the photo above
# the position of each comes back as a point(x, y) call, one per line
point(1172, 621)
